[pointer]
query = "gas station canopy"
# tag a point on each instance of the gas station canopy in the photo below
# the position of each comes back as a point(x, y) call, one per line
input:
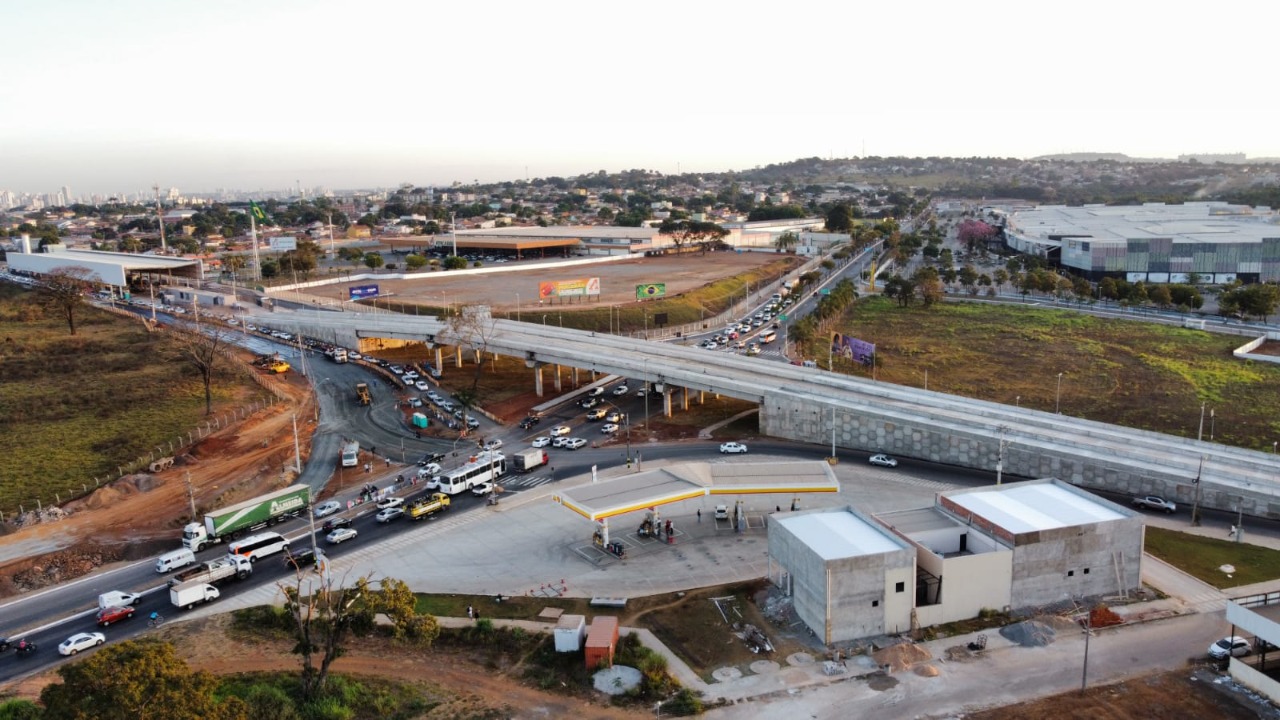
point(674, 483)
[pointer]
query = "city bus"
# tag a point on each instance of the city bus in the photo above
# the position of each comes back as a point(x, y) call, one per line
point(487, 467)
point(351, 454)
point(768, 336)
point(256, 546)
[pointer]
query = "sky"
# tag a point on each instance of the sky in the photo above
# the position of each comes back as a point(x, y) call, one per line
point(118, 96)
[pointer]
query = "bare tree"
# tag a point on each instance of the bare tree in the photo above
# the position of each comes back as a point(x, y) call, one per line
point(204, 352)
point(63, 289)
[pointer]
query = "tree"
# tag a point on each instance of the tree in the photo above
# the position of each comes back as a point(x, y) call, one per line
point(840, 218)
point(786, 241)
point(686, 231)
point(136, 680)
point(373, 260)
point(63, 289)
point(269, 268)
point(204, 353)
point(975, 234)
point(415, 262)
point(928, 286)
point(454, 262)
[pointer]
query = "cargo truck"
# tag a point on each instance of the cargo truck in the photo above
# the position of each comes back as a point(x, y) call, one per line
point(351, 454)
point(362, 394)
point(339, 355)
point(230, 523)
point(526, 460)
point(429, 506)
point(215, 571)
point(188, 595)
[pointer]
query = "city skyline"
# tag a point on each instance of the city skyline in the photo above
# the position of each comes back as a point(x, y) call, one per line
point(246, 95)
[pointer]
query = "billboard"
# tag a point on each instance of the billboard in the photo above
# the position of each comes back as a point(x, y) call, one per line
point(363, 291)
point(653, 290)
point(569, 288)
point(284, 242)
point(853, 348)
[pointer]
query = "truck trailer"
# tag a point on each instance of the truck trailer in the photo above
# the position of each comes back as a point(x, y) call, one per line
point(527, 460)
point(188, 595)
point(230, 523)
point(215, 571)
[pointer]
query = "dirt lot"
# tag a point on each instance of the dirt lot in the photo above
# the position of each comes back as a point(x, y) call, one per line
point(618, 281)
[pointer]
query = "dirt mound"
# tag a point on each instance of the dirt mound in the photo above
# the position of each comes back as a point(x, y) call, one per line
point(61, 566)
point(926, 671)
point(114, 492)
point(1029, 633)
point(901, 656)
point(43, 515)
point(214, 445)
point(1102, 616)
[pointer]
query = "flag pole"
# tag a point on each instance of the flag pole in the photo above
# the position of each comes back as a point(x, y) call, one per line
point(253, 235)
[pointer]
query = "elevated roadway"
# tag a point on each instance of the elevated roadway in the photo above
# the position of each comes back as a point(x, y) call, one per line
point(812, 405)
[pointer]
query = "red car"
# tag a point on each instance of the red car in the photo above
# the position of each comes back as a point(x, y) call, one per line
point(106, 616)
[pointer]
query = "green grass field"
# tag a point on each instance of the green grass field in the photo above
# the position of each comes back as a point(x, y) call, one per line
point(1204, 557)
point(1134, 374)
point(75, 407)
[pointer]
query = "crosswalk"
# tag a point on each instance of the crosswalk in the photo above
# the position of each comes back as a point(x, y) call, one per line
point(527, 481)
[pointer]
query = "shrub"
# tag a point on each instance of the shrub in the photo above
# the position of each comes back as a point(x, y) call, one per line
point(685, 702)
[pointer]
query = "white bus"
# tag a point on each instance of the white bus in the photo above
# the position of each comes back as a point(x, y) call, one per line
point(768, 336)
point(256, 546)
point(351, 454)
point(487, 467)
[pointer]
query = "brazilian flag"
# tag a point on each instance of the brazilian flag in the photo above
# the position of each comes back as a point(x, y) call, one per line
point(257, 212)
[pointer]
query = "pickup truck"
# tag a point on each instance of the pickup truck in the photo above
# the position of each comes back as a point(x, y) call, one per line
point(213, 572)
point(1154, 502)
point(427, 507)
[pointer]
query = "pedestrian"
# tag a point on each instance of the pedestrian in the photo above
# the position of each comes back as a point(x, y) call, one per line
point(699, 514)
point(777, 508)
point(471, 612)
point(1232, 531)
point(388, 461)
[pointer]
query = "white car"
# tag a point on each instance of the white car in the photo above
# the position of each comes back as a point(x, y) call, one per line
point(884, 460)
point(340, 535)
point(732, 447)
point(434, 396)
point(482, 489)
point(493, 444)
point(613, 417)
point(722, 512)
point(540, 441)
point(609, 429)
point(559, 430)
point(422, 386)
point(597, 414)
point(325, 509)
point(390, 502)
point(596, 392)
point(621, 390)
point(81, 641)
point(754, 349)
point(1235, 646)
point(575, 443)
point(415, 402)
point(560, 441)
point(389, 514)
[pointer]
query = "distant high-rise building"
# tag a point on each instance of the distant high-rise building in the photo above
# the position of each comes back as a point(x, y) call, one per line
point(66, 195)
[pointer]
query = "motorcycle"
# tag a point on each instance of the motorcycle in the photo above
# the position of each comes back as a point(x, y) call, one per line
point(25, 648)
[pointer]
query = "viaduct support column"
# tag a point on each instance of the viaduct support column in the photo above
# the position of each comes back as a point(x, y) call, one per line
point(666, 402)
point(440, 359)
point(559, 387)
point(537, 380)
point(457, 356)
point(684, 399)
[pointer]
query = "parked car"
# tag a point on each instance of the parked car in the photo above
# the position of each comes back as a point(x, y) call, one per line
point(722, 512)
point(390, 502)
point(106, 616)
point(609, 429)
point(1234, 646)
point(328, 508)
point(1155, 502)
point(81, 641)
point(422, 385)
point(415, 402)
point(389, 514)
point(597, 414)
point(540, 441)
point(559, 430)
point(298, 558)
point(340, 535)
point(883, 460)
point(733, 447)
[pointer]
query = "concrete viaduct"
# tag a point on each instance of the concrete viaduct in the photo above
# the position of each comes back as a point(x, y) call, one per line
point(816, 406)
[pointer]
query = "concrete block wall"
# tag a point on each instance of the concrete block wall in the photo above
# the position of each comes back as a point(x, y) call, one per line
point(1081, 561)
point(808, 576)
point(859, 602)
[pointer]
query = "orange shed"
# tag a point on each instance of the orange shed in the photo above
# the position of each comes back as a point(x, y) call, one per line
point(602, 640)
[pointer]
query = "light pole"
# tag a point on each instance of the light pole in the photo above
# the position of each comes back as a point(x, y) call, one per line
point(544, 320)
point(1200, 432)
point(1000, 457)
point(1195, 506)
point(1057, 402)
point(517, 307)
point(1211, 423)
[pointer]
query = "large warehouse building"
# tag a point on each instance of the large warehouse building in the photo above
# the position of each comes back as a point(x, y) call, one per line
point(1154, 243)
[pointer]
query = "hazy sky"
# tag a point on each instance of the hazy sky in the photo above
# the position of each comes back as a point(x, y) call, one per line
point(119, 95)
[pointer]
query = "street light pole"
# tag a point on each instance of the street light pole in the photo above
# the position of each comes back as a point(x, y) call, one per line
point(1200, 432)
point(1057, 402)
point(1195, 507)
point(517, 307)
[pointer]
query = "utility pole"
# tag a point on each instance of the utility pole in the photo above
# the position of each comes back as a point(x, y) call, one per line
point(191, 496)
point(1000, 457)
point(1195, 507)
point(297, 452)
point(1200, 432)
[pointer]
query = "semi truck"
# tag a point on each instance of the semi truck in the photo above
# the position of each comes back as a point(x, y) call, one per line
point(230, 523)
point(429, 506)
point(213, 572)
point(362, 394)
point(526, 460)
point(188, 595)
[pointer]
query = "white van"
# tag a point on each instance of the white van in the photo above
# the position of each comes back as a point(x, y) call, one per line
point(174, 559)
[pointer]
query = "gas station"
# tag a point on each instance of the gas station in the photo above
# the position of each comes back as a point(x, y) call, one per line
point(650, 490)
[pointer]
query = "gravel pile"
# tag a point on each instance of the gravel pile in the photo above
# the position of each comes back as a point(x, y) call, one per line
point(1028, 633)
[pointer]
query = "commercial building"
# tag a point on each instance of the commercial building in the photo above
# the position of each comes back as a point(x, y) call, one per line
point(1154, 243)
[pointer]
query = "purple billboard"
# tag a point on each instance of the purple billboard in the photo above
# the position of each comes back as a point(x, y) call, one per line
point(852, 348)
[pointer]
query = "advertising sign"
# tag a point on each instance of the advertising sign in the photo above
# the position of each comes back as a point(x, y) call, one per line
point(363, 291)
point(569, 288)
point(653, 290)
point(284, 243)
point(852, 348)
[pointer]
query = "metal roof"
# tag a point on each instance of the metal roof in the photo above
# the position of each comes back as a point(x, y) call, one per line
point(843, 534)
point(1035, 505)
point(674, 483)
